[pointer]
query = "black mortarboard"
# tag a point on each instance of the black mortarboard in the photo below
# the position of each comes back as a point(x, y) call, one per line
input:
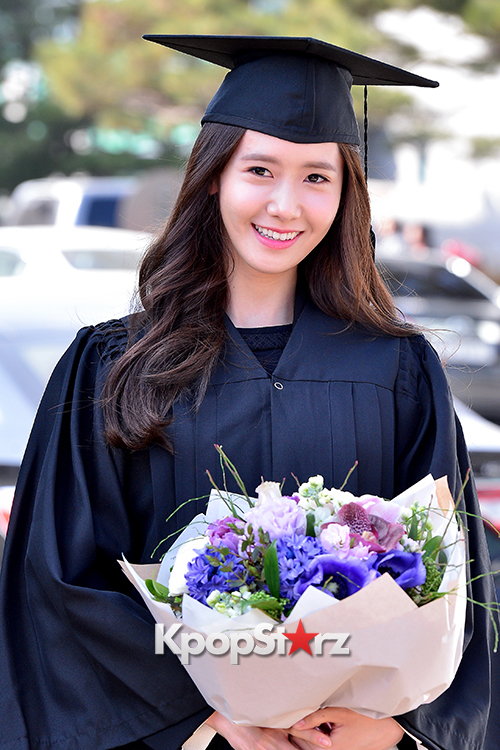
point(295, 88)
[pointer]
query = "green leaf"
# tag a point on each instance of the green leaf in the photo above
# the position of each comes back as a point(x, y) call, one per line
point(310, 524)
point(213, 560)
point(159, 592)
point(271, 571)
point(432, 546)
point(413, 530)
point(265, 604)
point(442, 559)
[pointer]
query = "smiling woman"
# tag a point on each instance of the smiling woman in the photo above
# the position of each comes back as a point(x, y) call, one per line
point(275, 211)
point(265, 328)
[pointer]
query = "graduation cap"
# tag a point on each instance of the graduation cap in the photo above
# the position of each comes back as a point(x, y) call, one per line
point(294, 88)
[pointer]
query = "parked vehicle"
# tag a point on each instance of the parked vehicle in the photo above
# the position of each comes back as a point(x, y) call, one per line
point(70, 201)
point(53, 281)
point(461, 307)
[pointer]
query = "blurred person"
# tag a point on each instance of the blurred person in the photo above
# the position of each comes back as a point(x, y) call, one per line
point(416, 238)
point(267, 329)
point(390, 237)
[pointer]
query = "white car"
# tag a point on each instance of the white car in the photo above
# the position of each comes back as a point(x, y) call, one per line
point(66, 277)
point(68, 201)
point(53, 281)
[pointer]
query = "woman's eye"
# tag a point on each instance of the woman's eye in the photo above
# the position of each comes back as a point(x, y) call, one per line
point(316, 178)
point(259, 171)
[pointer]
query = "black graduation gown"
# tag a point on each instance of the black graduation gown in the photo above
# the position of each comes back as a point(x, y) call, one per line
point(77, 663)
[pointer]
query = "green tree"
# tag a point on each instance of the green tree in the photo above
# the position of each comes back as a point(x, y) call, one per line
point(23, 22)
point(111, 76)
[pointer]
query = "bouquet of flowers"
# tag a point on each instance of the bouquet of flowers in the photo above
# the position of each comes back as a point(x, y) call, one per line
point(267, 556)
point(245, 578)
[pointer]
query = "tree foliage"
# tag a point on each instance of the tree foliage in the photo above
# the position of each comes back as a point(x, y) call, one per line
point(23, 22)
point(109, 74)
point(99, 73)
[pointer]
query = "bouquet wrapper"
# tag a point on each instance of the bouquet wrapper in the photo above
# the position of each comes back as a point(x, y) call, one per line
point(401, 655)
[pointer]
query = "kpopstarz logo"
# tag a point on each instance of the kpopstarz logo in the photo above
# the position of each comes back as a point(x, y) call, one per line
point(267, 639)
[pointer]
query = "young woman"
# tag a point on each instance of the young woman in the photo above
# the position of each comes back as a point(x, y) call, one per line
point(265, 329)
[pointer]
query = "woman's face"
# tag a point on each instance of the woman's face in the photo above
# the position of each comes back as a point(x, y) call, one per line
point(278, 199)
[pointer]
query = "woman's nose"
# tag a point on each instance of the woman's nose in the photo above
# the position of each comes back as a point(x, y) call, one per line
point(284, 202)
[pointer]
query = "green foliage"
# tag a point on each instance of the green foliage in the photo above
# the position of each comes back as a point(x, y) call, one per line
point(22, 22)
point(110, 75)
point(268, 604)
point(483, 17)
point(159, 592)
point(101, 73)
point(485, 148)
point(39, 146)
point(271, 570)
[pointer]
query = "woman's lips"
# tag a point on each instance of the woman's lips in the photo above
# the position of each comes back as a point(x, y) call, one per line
point(274, 238)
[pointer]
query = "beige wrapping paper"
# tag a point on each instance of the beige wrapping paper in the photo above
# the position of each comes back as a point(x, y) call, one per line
point(400, 655)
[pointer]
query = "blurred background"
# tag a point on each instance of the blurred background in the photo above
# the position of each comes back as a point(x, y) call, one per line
point(95, 127)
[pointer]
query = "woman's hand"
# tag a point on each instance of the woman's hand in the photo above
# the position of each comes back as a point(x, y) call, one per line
point(350, 730)
point(251, 738)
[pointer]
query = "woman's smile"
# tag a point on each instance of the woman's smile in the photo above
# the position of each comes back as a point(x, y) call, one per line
point(276, 238)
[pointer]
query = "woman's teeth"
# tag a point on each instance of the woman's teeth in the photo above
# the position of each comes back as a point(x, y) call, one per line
point(276, 235)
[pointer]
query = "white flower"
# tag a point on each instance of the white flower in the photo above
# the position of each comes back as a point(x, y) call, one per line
point(409, 545)
point(325, 496)
point(307, 503)
point(268, 492)
point(230, 604)
point(316, 482)
point(312, 487)
point(322, 515)
point(186, 553)
point(341, 497)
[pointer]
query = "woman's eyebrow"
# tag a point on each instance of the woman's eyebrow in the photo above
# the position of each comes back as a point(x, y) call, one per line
point(274, 160)
point(260, 157)
point(321, 165)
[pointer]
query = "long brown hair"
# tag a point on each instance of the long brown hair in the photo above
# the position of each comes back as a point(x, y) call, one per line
point(177, 340)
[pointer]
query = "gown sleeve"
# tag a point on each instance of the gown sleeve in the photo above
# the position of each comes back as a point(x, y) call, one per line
point(429, 439)
point(77, 664)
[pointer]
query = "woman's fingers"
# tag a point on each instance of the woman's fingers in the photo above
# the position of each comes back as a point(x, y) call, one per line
point(252, 738)
point(313, 736)
point(349, 730)
point(322, 717)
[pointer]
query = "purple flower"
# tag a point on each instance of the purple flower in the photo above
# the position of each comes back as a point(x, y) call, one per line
point(361, 523)
point(203, 576)
point(221, 535)
point(388, 534)
point(376, 506)
point(406, 568)
point(356, 517)
point(294, 555)
point(280, 517)
point(338, 577)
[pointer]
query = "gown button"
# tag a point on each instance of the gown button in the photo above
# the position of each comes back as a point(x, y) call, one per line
point(277, 385)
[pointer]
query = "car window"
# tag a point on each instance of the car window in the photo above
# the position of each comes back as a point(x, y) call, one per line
point(428, 281)
point(10, 263)
point(103, 259)
point(98, 211)
point(38, 212)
